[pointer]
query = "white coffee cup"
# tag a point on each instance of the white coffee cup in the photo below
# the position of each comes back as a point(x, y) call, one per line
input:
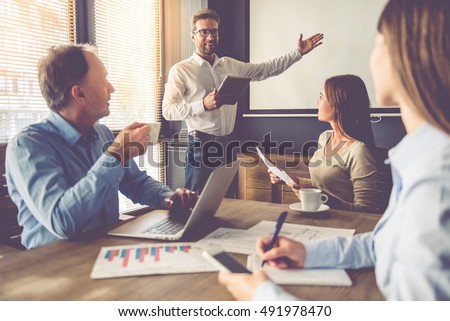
point(312, 198)
point(153, 132)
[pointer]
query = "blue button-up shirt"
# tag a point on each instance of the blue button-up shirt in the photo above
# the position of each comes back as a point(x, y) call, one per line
point(410, 245)
point(64, 184)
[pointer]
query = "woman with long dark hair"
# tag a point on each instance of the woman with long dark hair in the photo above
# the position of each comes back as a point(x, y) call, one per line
point(344, 166)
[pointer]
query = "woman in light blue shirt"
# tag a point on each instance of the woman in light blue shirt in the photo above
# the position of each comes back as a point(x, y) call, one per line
point(410, 246)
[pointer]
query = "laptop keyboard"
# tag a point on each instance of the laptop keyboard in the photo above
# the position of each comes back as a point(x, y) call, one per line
point(166, 226)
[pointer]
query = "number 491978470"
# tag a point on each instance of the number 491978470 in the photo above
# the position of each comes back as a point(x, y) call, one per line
point(294, 310)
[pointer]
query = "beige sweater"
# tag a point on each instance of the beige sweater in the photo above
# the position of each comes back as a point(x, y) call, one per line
point(350, 175)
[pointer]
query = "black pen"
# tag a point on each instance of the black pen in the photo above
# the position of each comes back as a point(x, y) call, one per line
point(280, 222)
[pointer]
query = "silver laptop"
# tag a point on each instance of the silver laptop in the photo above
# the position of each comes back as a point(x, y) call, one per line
point(158, 224)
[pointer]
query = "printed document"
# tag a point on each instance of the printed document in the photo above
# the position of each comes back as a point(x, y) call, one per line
point(244, 241)
point(151, 258)
point(275, 170)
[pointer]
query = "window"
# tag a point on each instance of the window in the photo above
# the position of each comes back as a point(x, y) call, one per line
point(27, 30)
point(127, 34)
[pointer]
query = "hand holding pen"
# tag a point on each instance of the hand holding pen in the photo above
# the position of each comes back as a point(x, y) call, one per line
point(284, 253)
point(280, 222)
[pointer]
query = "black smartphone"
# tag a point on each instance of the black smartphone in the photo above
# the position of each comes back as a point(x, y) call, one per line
point(224, 261)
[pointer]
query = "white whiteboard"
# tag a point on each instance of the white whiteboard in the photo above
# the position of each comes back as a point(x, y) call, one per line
point(349, 27)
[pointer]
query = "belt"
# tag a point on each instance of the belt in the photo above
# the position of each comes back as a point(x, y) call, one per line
point(208, 137)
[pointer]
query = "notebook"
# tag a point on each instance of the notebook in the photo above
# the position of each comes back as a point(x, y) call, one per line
point(158, 224)
point(325, 277)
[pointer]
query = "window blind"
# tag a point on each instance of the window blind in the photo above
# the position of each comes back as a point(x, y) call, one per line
point(127, 35)
point(27, 30)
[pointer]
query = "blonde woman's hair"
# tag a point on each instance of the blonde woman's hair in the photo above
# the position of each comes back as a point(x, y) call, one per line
point(418, 39)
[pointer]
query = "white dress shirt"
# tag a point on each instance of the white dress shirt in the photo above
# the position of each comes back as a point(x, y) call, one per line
point(192, 79)
point(410, 245)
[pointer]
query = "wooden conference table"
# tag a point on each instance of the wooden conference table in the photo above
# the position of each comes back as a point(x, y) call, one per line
point(60, 271)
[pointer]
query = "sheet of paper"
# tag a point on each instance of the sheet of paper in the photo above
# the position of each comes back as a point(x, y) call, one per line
point(299, 232)
point(126, 217)
point(244, 241)
point(328, 277)
point(147, 259)
point(231, 240)
point(275, 170)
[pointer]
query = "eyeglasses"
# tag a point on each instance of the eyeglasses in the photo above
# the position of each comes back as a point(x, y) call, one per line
point(206, 32)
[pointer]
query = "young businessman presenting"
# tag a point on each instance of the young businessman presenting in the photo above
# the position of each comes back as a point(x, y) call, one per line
point(191, 95)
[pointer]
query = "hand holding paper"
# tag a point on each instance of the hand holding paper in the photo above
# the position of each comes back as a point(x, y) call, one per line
point(275, 170)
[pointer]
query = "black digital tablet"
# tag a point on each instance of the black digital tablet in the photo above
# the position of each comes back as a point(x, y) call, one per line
point(233, 87)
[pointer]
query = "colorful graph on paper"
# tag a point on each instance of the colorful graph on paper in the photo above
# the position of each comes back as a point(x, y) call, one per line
point(146, 259)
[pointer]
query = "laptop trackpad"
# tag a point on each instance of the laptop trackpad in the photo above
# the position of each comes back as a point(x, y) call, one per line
point(141, 223)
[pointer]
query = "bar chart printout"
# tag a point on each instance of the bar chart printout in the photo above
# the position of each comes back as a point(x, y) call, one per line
point(147, 259)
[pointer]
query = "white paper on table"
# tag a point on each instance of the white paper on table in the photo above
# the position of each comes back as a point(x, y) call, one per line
point(328, 277)
point(231, 240)
point(244, 241)
point(275, 170)
point(299, 232)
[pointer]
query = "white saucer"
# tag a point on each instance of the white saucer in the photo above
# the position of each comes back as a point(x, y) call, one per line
point(298, 207)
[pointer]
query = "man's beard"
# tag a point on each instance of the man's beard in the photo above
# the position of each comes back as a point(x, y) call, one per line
point(209, 50)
